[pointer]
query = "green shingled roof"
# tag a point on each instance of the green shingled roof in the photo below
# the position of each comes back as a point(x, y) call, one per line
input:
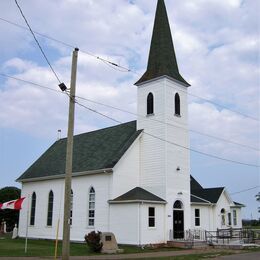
point(201, 195)
point(212, 194)
point(138, 194)
point(162, 59)
point(95, 150)
point(238, 204)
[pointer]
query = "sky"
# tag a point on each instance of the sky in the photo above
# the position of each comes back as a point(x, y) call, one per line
point(217, 47)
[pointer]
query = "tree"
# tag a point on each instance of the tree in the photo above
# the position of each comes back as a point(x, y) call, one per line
point(10, 216)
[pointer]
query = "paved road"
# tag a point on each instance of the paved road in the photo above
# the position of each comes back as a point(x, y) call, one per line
point(248, 256)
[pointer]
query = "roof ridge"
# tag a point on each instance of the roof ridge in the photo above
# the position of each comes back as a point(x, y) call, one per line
point(97, 130)
point(213, 188)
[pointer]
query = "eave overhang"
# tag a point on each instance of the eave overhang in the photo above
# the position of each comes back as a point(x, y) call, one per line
point(137, 201)
point(62, 176)
point(161, 77)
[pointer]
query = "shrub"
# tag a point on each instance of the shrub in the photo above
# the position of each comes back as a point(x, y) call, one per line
point(93, 241)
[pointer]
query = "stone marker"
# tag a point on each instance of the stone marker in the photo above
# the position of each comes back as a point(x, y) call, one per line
point(109, 243)
point(15, 232)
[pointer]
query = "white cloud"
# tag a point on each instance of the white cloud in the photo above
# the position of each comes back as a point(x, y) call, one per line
point(216, 44)
point(215, 50)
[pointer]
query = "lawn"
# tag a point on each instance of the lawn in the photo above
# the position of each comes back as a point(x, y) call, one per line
point(251, 227)
point(10, 247)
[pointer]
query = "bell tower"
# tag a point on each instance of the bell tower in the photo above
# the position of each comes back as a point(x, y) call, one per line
point(163, 115)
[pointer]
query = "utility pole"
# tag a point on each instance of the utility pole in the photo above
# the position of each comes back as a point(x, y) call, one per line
point(69, 156)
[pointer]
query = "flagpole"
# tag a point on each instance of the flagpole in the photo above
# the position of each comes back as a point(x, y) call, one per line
point(27, 224)
point(57, 237)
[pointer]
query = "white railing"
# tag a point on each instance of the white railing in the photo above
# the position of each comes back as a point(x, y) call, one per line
point(188, 235)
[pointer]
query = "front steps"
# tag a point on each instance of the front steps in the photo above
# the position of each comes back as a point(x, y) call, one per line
point(187, 244)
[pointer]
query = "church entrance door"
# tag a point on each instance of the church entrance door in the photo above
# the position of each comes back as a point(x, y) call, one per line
point(178, 220)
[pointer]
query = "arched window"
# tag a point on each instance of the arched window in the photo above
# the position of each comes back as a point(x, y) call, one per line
point(150, 104)
point(91, 207)
point(71, 206)
point(177, 104)
point(177, 204)
point(50, 208)
point(33, 208)
point(223, 217)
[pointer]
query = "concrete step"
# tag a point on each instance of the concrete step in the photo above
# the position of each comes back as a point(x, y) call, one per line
point(179, 244)
point(187, 244)
point(200, 244)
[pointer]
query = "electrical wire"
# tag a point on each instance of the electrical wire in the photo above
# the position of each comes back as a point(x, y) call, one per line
point(106, 61)
point(152, 119)
point(44, 55)
point(30, 82)
point(166, 141)
point(125, 111)
point(156, 137)
point(125, 69)
point(242, 191)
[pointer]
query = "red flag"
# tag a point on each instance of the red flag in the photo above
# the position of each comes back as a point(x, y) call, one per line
point(13, 204)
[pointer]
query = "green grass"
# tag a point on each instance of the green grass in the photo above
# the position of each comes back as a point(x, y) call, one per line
point(252, 227)
point(10, 247)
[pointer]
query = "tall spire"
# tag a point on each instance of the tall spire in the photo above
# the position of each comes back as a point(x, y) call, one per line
point(162, 60)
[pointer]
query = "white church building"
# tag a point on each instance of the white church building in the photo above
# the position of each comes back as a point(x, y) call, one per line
point(132, 179)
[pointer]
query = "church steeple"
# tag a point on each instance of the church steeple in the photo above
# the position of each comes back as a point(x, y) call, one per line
point(162, 60)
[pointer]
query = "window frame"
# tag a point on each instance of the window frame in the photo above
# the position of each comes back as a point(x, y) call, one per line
point(177, 105)
point(91, 207)
point(229, 219)
point(223, 217)
point(50, 209)
point(150, 104)
point(33, 209)
point(197, 217)
point(178, 205)
point(151, 217)
point(234, 217)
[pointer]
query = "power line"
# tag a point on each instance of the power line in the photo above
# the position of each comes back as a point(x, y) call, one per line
point(106, 61)
point(38, 33)
point(175, 144)
point(152, 119)
point(245, 190)
point(223, 106)
point(30, 82)
point(125, 69)
point(126, 111)
point(44, 55)
point(156, 137)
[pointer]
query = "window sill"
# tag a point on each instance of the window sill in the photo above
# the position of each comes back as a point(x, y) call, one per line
point(49, 226)
point(151, 227)
point(148, 115)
